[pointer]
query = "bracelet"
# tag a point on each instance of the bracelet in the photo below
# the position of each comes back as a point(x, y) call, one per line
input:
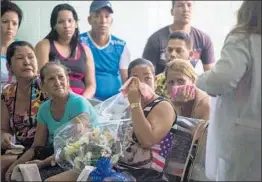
point(53, 162)
point(135, 105)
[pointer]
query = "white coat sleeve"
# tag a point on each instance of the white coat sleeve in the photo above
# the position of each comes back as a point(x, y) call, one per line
point(229, 69)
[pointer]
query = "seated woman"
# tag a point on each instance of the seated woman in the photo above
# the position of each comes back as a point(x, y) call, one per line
point(12, 15)
point(63, 44)
point(57, 111)
point(152, 119)
point(20, 101)
point(195, 105)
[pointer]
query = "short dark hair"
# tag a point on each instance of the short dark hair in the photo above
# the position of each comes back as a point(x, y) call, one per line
point(173, 3)
point(140, 61)
point(182, 36)
point(12, 48)
point(7, 6)
point(53, 63)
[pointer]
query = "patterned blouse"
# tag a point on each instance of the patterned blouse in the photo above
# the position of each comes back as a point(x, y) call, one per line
point(160, 86)
point(23, 125)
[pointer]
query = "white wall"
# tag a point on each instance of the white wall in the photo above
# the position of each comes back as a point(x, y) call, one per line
point(134, 21)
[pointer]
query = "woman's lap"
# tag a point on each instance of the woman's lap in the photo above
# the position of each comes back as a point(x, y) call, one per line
point(144, 174)
point(50, 171)
point(7, 160)
point(64, 176)
point(58, 174)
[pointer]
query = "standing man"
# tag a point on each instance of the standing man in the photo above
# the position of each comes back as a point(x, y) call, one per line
point(111, 55)
point(202, 46)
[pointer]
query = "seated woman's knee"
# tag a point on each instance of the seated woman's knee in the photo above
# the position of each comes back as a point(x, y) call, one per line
point(64, 176)
point(7, 160)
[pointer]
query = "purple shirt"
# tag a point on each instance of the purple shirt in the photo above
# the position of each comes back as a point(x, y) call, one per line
point(156, 44)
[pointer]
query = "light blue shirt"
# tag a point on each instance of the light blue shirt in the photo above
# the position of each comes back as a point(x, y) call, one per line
point(6, 78)
point(108, 60)
point(4, 71)
point(75, 105)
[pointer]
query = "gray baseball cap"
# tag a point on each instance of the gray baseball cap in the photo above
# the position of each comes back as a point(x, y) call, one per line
point(99, 4)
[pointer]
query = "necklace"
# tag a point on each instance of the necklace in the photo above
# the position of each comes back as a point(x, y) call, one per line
point(14, 107)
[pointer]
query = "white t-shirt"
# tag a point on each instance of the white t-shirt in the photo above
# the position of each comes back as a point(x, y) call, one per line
point(6, 78)
point(4, 71)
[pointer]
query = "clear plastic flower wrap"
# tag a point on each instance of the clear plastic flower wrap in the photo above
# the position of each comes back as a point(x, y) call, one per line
point(113, 109)
point(79, 143)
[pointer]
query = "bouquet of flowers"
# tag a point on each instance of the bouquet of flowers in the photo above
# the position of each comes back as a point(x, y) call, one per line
point(78, 143)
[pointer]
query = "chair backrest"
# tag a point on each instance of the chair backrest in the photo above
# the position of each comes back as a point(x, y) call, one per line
point(197, 168)
point(186, 132)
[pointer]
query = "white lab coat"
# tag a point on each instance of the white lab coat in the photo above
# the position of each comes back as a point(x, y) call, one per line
point(234, 135)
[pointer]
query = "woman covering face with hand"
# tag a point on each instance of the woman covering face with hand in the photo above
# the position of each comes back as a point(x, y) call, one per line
point(152, 120)
point(188, 100)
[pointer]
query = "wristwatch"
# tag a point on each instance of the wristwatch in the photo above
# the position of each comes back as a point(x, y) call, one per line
point(135, 105)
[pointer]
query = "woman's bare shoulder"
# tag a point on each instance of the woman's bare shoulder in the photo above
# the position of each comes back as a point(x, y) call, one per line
point(43, 43)
point(164, 107)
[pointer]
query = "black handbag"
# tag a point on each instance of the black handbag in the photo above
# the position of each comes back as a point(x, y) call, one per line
point(42, 152)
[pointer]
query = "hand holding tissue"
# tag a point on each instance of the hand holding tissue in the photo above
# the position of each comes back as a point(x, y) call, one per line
point(183, 93)
point(134, 89)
